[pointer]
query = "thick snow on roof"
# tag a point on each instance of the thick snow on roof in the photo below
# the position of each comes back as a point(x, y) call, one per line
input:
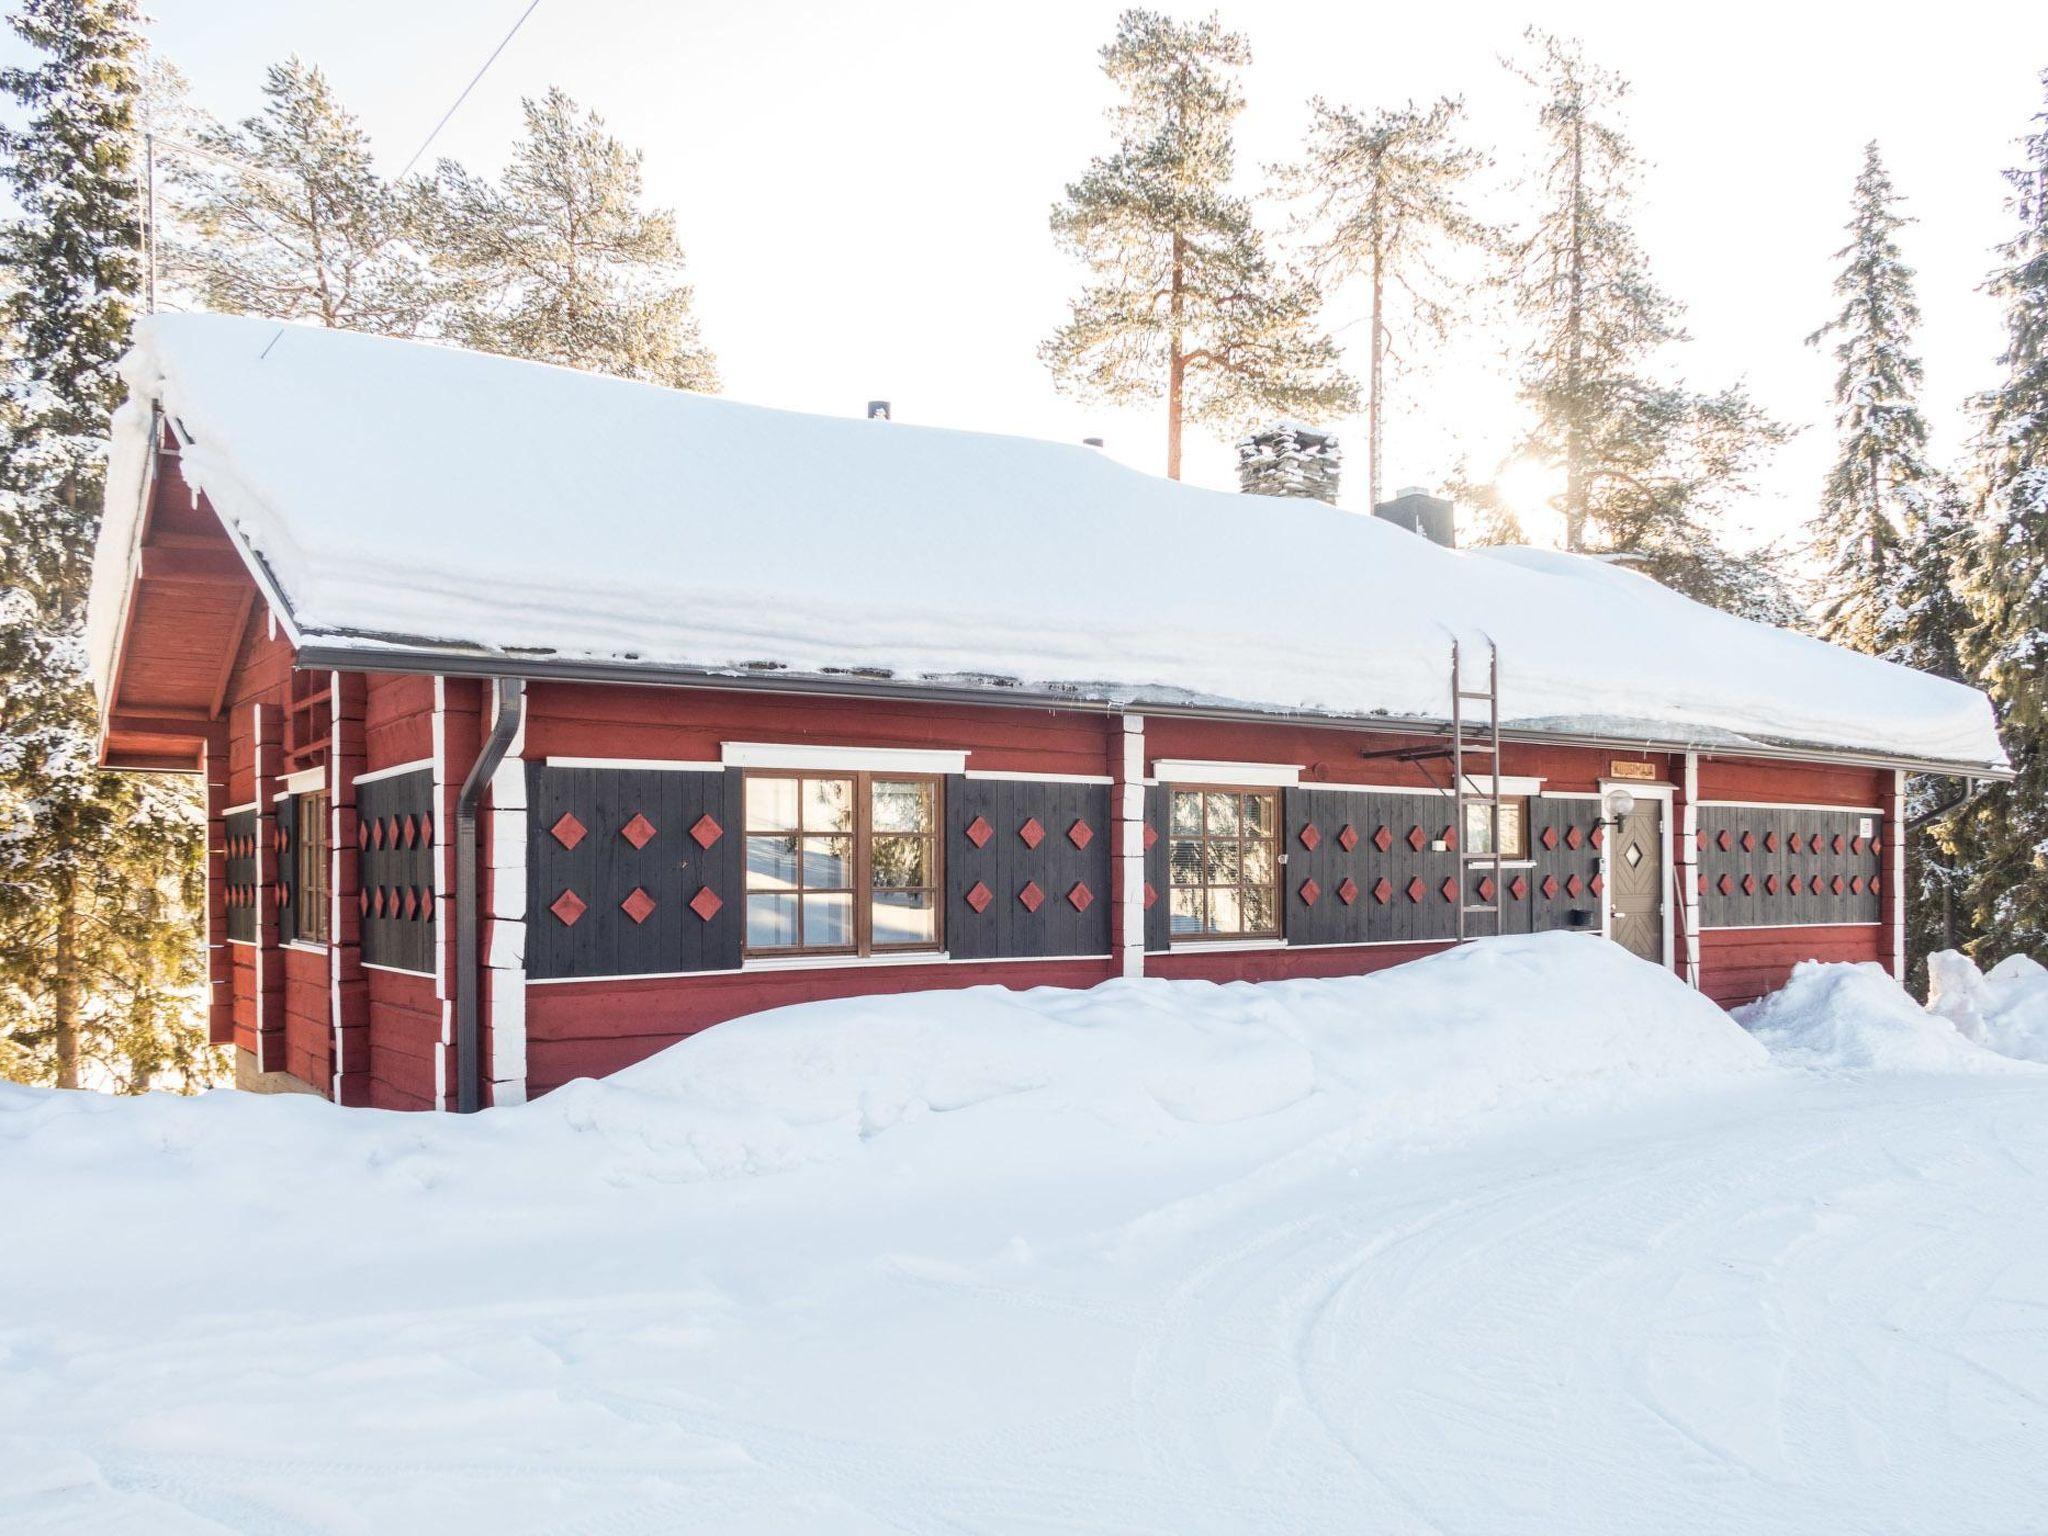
point(400, 492)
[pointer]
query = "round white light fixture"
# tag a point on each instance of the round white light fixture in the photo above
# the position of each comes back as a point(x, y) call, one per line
point(1619, 803)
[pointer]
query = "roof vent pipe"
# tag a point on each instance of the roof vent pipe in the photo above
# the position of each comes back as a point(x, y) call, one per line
point(878, 410)
point(1091, 442)
point(511, 693)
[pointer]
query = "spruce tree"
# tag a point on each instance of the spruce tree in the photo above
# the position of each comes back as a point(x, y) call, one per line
point(1649, 466)
point(2004, 837)
point(1880, 482)
point(1185, 300)
point(289, 219)
point(557, 261)
point(99, 872)
point(1384, 199)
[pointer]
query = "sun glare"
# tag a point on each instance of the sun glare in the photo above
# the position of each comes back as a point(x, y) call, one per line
point(1529, 488)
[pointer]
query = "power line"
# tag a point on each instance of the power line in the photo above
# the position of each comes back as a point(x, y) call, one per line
point(415, 160)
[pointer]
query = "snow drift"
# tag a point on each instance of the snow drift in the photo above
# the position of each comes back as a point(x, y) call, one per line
point(2004, 1009)
point(1842, 1017)
point(401, 490)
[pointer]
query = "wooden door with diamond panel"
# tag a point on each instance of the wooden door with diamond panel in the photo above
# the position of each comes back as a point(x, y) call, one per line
point(1635, 882)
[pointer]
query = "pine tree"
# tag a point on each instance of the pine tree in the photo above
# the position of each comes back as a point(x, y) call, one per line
point(2004, 837)
point(1880, 481)
point(559, 262)
point(99, 872)
point(1384, 198)
point(1185, 302)
point(1287, 459)
point(289, 219)
point(1648, 465)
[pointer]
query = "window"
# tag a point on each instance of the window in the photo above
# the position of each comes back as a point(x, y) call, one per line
point(1224, 852)
point(309, 868)
point(842, 864)
point(1514, 828)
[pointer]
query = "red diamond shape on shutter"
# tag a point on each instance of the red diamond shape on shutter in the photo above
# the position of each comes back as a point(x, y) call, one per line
point(1310, 837)
point(1597, 884)
point(1727, 884)
point(1347, 890)
point(639, 831)
point(362, 903)
point(1151, 836)
point(1792, 884)
point(362, 838)
point(1722, 840)
point(1416, 888)
point(1838, 885)
point(412, 831)
point(979, 832)
point(1855, 885)
point(1877, 845)
point(1348, 838)
point(377, 833)
point(1486, 887)
point(1573, 885)
point(1080, 834)
point(638, 905)
point(1381, 890)
point(1599, 836)
point(426, 829)
point(1875, 885)
point(379, 904)
point(568, 831)
point(1080, 897)
point(1838, 842)
point(1031, 896)
point(1151, 895)
point(1448, 837)
point(1310, 891)
point(1518, 888)
point(706, 903)
point(705, 830)
point(979, 896)
point(1855, 845)
point(1549, 838)
point(1815, 843)
point(1771, 885)
point(1573, 837)
point(1416, 839)
point(1549, 887)
point(1749, 842)
point(568, 907)
point(1383, 839)
point(1749, 885)
point(1031, 833)
point(1770, 842)
point(422, 904)
point(1449, 889)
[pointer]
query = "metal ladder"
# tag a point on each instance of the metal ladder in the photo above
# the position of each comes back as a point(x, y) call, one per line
point(1466, 791)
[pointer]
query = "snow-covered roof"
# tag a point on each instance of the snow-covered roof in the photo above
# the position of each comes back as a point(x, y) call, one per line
point(399, 494)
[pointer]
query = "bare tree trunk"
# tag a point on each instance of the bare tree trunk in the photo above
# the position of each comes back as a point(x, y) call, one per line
point(1574, 435)
point(64, 994)
point(1374, 420)
point(1176, 362)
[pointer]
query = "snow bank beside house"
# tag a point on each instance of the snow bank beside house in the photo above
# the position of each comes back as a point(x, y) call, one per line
point(2004, 1009)
point(397, 491)
point(1842, 1017)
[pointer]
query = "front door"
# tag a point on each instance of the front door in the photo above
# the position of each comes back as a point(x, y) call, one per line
point(1635, 882)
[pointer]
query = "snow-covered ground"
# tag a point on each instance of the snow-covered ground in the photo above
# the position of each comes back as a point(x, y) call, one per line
point(1524, 1238)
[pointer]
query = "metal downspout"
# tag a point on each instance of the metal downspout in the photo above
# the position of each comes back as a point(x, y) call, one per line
point(511, 695)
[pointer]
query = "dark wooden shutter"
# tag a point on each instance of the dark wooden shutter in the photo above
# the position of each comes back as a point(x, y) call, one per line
point(1158, 869)
point(395, 890)
point(1772, 866)
point(284, 820)
point(1027, 868)
point(241, 830)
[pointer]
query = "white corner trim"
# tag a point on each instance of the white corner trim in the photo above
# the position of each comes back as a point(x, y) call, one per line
point(304, 782)
point(415, 766)
point(656, 764)
point(766, 754)
point(1190, 770)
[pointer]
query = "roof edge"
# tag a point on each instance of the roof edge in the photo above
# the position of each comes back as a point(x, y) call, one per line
point(338, 653)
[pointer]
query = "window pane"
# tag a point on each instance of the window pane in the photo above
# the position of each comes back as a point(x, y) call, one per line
point(828, 805)
point(1187, 811)
point(1514, 828)
point(771, 804)
point(1479, 828)
point(1226, 866)
point(1258, 862)
point(1225, 912)
point(1221, 810)
point(771, 921)
point(828, 921)
point(1259, 817)
point(905, 917)
point(828, 864)
point(1187, 861)
point(1258, 909)
point(902, 806)
point(1187, 910)
point(900, 861)
point(771, 863)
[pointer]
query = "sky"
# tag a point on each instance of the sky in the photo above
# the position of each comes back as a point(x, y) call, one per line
point(863, 190)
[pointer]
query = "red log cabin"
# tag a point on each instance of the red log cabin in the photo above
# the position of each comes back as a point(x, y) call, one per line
point(546, 719)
